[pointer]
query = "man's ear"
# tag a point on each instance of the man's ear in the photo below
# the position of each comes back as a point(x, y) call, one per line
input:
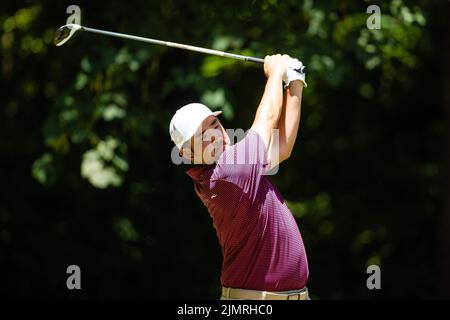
point(190, 152)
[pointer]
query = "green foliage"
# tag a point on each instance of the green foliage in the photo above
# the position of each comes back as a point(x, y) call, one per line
point(217, 100)
point(126, 230)
point(43, 169)
point(104, 165)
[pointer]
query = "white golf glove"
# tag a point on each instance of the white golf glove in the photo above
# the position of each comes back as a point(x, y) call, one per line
point(292, 75)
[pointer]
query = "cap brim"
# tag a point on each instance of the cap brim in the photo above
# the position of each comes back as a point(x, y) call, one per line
point(215, 113)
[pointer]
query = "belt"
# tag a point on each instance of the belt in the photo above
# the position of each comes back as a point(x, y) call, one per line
point(235, 293)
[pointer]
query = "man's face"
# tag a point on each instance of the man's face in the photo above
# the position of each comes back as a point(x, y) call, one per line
point(208, 142)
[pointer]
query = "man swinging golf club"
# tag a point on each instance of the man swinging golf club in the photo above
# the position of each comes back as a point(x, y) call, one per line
point(263, 252)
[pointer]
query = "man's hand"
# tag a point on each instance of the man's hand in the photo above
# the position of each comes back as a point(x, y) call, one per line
point(276, 65)
point(292, 74)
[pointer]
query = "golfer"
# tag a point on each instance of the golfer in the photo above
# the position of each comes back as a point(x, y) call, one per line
point(263, 252)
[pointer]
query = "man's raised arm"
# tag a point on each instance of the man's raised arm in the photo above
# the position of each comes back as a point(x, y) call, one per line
point(269, 109)
point(290, 119)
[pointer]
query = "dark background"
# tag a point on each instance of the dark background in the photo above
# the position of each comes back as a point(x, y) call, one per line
point(85, 152)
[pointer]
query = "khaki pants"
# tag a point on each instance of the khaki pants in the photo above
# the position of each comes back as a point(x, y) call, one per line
point(245, 294)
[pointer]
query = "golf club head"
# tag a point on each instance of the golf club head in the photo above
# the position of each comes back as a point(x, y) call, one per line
point(64, 33)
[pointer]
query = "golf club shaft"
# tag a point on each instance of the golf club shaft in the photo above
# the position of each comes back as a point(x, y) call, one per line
point(174, 45)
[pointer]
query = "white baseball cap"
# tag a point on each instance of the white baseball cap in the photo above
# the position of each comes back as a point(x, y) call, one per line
point(187, 120)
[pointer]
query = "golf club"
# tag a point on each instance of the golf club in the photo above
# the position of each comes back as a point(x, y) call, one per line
point(64, 33)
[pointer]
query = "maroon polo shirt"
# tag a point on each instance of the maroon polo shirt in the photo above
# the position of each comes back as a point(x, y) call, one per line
point(261, 243)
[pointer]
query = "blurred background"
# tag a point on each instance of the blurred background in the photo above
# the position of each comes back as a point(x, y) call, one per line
point(85, 153)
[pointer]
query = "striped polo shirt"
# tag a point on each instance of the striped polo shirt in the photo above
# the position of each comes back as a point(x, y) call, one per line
point(261, 244)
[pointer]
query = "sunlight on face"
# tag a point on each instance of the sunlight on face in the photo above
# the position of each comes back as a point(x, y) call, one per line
point(208, 142)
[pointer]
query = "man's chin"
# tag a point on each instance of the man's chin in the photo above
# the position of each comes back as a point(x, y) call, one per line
point(214, 157)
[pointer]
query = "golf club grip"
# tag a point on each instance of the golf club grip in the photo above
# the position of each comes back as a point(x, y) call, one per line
point(258, 60)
